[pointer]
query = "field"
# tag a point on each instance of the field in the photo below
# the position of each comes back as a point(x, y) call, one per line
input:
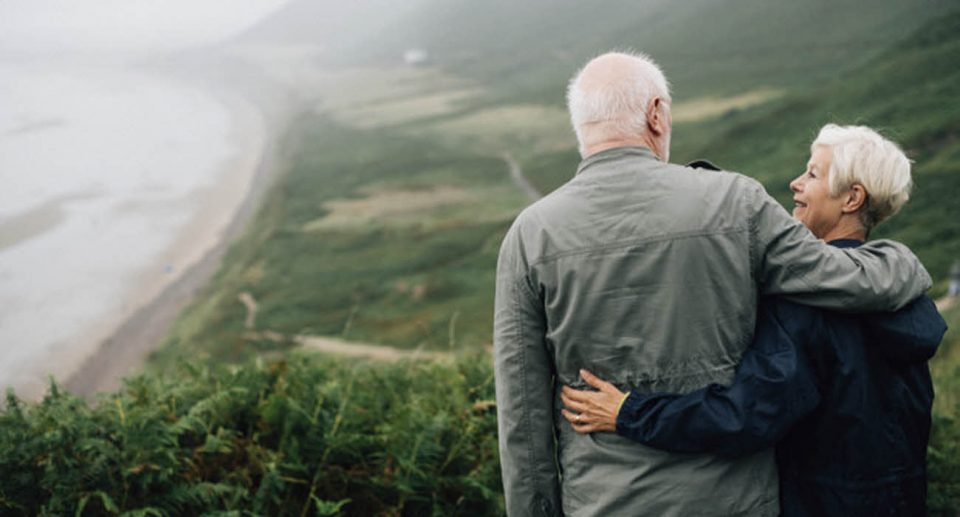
point(396, 200)
point(384, 228)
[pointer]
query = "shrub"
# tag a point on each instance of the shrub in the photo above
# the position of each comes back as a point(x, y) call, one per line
point(304, 436)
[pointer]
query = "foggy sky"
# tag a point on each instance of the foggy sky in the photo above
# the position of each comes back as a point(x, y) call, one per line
point(64, 26)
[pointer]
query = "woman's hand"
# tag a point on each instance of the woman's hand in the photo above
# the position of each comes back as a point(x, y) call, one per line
point(592, 411)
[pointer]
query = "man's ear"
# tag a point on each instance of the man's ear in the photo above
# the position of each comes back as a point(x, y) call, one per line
point(854, 199)
point(655, 119)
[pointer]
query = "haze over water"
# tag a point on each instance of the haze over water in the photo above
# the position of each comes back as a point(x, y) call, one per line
point(100, 172)
point(114, 180)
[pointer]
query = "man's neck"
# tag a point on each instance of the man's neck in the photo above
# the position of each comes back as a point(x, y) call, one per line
point(612, 144)
point(621, 142)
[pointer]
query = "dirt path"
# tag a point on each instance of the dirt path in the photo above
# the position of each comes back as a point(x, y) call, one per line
point(516, 174)
point(356, 349)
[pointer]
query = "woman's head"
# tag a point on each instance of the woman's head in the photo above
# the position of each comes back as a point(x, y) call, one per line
point(854, 180)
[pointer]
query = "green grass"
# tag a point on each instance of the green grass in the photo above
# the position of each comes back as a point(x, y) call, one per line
point(909, 93)
point(424, 283)
point(525, 52)
point(945, 368)
point(944, 452)
point(424, 278)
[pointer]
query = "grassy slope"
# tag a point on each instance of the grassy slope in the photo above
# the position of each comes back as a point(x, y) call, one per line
point(943, 454)
point(910, 93)
point(423, 279)
point(419, 437)
point(416, 279)
point(527, 50)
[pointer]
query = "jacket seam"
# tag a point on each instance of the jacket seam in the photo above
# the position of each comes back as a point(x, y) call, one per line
point(523, 383)
point(633, 242)
point(754, 252)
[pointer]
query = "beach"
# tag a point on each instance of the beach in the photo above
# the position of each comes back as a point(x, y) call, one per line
point(121, 200)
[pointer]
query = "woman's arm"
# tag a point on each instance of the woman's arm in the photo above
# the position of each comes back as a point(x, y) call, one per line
point(775, 385)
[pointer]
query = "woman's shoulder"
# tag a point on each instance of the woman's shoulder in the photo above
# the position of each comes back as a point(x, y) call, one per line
point(793, 317)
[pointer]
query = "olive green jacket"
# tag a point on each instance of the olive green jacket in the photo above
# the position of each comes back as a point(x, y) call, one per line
point(647, 274)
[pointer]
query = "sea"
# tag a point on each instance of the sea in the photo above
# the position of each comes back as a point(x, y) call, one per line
point(107, 176)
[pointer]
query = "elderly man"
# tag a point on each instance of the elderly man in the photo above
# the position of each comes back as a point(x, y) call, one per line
point(647, 274)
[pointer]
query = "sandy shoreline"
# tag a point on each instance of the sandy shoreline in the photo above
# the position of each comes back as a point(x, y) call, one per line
point(120, 346)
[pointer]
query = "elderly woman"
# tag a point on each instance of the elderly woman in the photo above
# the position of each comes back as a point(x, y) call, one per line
point(845, 398)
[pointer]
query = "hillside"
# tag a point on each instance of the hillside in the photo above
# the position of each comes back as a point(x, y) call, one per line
point(527, 50)
point(399, 192)
point(383, 229)
point(909, 92)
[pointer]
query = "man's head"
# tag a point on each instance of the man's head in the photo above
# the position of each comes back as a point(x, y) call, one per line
point(620, 99)
point(855, 178)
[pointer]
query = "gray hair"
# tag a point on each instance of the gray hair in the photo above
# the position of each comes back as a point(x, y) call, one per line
point(617, 107)
point(862, 156)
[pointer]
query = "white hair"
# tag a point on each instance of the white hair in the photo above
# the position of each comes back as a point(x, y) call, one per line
point(618, 108)
point(862, 156)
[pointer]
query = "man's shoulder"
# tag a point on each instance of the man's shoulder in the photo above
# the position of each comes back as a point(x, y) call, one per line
point(548, 207)
point(710, 177)
point(578, 201)
point(709, 171)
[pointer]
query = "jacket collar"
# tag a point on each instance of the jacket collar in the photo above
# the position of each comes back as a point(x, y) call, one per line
point(615, 154)
point(845, 243)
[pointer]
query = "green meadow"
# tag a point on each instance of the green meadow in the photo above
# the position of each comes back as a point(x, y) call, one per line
point(383, 229)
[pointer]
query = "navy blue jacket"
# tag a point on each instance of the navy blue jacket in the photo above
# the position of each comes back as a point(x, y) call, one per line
point(846, 399)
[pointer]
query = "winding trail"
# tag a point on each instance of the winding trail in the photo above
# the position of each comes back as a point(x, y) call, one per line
point(521, 181)
point(343, 347)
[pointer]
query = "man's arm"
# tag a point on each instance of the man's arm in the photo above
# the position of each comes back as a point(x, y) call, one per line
point(774, 387)
point(524, 386)
point(878, 276)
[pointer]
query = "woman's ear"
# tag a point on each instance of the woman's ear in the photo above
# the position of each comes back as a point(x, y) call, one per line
point(854, 199)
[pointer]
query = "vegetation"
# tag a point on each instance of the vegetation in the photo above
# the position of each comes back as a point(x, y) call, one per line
point(303, 436)
point(526, 52)
point(909, 93)
point(423, 278)
point(385, 229)
point(943, 454)
point(392, 270)
point(307, 435)
point(415, 275)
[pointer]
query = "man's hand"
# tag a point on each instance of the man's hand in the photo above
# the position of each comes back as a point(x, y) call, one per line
point(592, 411)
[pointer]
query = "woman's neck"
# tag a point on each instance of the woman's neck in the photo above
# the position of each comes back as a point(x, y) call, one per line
point(847, 228)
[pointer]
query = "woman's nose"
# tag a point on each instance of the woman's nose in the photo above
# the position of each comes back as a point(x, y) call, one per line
point(795, 185)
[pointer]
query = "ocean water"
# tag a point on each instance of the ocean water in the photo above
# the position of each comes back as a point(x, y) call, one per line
point(103, 176)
